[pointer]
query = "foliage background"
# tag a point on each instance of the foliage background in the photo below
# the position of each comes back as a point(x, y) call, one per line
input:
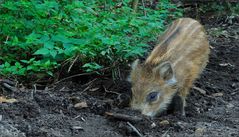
point(38, 36)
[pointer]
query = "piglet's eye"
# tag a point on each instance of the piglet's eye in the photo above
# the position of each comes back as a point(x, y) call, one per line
point(152, 96)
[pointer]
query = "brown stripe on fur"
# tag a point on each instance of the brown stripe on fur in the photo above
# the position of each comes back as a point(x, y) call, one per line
point(168, 36)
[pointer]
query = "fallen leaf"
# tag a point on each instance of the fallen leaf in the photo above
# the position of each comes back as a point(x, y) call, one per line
point(5, 100)
point(81, 105)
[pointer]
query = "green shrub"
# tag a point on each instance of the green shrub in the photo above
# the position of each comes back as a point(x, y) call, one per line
point(221, 8)
point(36, 36)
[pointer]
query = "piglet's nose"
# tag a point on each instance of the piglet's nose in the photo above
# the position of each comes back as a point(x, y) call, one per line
point(150, 114)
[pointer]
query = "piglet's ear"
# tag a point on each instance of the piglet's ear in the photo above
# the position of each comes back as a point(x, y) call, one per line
point(165, 72)
point(135, 64)
point(134, 70)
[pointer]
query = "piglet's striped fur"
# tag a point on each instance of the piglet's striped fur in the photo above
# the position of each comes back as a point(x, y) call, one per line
point(171, 68)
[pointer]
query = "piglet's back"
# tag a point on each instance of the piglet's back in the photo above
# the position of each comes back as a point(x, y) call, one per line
point(185, 45)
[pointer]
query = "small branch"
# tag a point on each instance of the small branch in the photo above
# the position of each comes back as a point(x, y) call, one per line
point(69, 69)
point(235, 91)
point(89, 83)
point(77, 128)
point(6, 40)
point(77, 75)
point(13, 89)
point(135, 129)
point(108, 91)
point(200, 90)
point(88, 87)
point(209, 96)
point(124, 117)
point(135, 5)
point(7, 81)
point(145, 13)
point(164, 135)
point(81, 74)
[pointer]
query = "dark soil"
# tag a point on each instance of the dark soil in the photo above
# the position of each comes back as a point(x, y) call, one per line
point(211, 112)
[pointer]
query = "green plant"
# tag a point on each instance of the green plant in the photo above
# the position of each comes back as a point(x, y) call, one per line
point(37, 36)
point(221, 8)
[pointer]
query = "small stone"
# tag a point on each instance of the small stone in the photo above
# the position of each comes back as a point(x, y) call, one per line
point(219, 94)
point(164, 122)
point(81, 105)
point(199, 131)
point(153, 125)
point(198, 110)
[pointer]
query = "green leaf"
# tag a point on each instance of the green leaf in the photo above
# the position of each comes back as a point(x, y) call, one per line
point(53, 53)
point(49, 45)
point(92, 66)
point(42, 51)
point(6, 65)
point(61, 38)
point(50, 73)
point(40, 35)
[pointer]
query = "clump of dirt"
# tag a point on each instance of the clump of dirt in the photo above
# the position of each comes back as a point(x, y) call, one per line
point(73, 109)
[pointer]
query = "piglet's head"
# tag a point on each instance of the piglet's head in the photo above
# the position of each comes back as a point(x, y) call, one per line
point(153, 87)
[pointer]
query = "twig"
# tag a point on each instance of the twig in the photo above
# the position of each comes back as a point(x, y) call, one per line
point(135, 5)
point(86, 89)
point(145, 13)
point(108, 91)
point(81, 74)
point(33, 91)
point(235, 91)
point(209, 96)
point(80, 118)
point(77, 128)
point(69, 69)
point(89, 83)
point(13, 89)
point(6, 40)
point(124, 117)
point(7, 81)
point(166, 132)
point(135, 129)
point(200, 90)
point(35, 87)
point(217, 99)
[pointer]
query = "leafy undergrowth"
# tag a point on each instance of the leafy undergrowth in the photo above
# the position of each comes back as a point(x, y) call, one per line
point(79, 109)
point(39, 37)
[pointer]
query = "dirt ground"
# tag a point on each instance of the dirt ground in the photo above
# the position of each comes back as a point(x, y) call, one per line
point(77, 108)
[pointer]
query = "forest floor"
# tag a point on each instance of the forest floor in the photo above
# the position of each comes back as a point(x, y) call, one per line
point(77, 108)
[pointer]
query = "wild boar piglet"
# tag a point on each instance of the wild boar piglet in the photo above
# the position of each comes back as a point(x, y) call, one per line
point(171, 68)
